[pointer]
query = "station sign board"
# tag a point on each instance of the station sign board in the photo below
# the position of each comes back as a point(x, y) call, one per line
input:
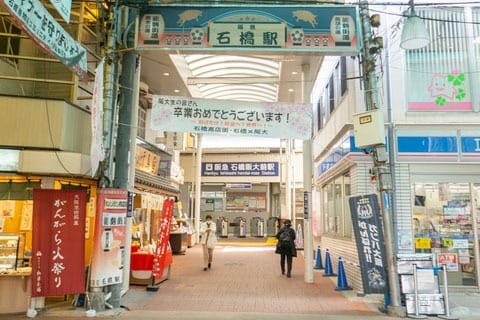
point(329, 29)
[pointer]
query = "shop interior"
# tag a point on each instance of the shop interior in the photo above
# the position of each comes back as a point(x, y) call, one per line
point(445, 223)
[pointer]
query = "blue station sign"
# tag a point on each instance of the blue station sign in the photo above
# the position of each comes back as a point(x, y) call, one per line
point(331, 29)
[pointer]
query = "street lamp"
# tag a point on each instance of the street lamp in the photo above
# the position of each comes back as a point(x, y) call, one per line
point(414, 33)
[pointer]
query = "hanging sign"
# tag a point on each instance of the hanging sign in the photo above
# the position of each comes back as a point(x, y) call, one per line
point(58, 242)
point(42, 28)
point(321, 29)
point(232, 118)
point(368, 231)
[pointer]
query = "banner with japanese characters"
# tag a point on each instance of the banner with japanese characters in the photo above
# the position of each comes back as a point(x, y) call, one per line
point(47, 33)
point(232, 118)
point(58, 242)
point(160, 261)
point(312, 28)
point(109, 238)
point(368, 229)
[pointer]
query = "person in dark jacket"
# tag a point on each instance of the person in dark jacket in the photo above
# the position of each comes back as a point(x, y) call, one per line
point(286, 246)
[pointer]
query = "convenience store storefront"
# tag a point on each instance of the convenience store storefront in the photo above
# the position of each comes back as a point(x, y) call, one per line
point(437, 194)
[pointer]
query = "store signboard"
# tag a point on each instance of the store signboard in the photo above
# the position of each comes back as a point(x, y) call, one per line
point(109, 238)
point(232, 118)
point(9, 159)
point(48, 34)
point(309, 28)
point(58, 242)
point(368, 231)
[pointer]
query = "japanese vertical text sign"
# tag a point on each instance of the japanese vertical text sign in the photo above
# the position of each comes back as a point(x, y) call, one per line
point(325, 29)
point(232, 118)
point(109, 238)
point(160, 259)
point(58, 242)
point(370, 242)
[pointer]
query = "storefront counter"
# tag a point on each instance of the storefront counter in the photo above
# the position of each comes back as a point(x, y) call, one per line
point(15, 290)
point(141, 266)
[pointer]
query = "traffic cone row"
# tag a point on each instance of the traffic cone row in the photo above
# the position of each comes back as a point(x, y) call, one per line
point(342, 283)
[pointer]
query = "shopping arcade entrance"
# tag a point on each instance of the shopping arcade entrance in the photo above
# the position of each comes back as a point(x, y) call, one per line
point(303, 34)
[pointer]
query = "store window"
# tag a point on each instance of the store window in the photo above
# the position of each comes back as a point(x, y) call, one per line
point(335, 207)
point(443, 217)
point(438, 75)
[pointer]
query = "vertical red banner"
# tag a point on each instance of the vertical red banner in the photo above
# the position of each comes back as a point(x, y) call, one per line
point(161, 254)
point(109, 238)
point(58, 242)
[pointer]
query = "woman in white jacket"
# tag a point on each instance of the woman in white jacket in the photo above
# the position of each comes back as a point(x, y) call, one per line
point(208, 230)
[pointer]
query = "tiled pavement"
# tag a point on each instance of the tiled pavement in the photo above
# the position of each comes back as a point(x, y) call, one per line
point(244, 283)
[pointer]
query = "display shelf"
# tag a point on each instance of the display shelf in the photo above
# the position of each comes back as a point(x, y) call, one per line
point(9, 244)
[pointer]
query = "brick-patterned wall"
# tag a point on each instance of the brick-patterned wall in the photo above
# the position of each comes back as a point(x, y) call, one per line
point(347, 250)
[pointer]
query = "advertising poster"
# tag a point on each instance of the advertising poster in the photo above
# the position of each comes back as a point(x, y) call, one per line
point(450, 259)
point(58, 243)
point(368, 231)
point(109, 237)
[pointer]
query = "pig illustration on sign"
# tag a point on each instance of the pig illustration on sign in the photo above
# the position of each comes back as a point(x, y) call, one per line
point(307, 16)
point(188, 15)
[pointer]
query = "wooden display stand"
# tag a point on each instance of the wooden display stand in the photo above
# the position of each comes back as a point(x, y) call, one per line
point(15, 290)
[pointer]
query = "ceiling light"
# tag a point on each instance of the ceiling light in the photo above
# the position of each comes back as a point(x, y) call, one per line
point(414, 33)
point(291, 90)
point(176, 91)
point(166, 74)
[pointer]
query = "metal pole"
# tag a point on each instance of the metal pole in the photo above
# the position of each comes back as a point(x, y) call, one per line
point(307, 189)
point(446, 301)
point(198, 183)
point(417, 314)
point(379, 159)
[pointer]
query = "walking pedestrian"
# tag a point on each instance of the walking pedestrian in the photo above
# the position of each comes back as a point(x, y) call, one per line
point(208, 230)
point(286, 246)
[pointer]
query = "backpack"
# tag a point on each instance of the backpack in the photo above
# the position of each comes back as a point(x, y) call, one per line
point(285, 239)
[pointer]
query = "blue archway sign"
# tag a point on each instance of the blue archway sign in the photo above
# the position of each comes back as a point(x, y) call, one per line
point(328, 29)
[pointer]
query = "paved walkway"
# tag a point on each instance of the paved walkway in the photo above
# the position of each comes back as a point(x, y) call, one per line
point(244, 283)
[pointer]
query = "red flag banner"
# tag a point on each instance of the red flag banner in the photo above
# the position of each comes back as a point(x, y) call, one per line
point(58, 242)
point(160, 259)
point(109, 239)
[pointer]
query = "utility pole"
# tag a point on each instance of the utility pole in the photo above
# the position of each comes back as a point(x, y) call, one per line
point(127, 106)
point(380, 158)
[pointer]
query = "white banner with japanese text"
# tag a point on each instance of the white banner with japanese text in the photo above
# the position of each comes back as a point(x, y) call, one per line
point(97, 151)
point(39, 24)
point(232, 118)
